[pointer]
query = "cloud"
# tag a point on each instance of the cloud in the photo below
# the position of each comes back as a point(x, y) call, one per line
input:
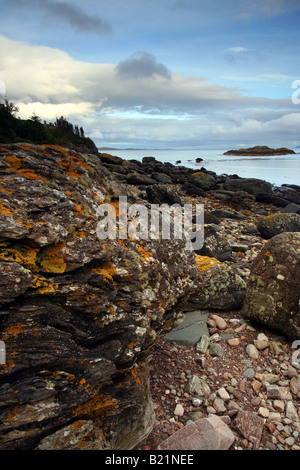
point(267, 8)
point(142, 65)
point(66, 13)
point(142, 102)
point(48, 111)
point(241, 54)
point(237, 49)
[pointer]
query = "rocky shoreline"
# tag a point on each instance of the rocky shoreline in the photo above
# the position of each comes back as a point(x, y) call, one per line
point(84, 323)
point(248, 375)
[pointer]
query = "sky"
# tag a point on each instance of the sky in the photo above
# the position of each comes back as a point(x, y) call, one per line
point(157, 73)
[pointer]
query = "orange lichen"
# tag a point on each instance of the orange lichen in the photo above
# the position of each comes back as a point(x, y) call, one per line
point(68, 162)
point(25, 224)
point(43, 285)
point(22, 254)
point(29, 175)
point(81, 234)
point(25, 147)
point(14, 162)
point(5, 190)
point(135, 371)
point(4, 210)
point(53, 260)
point(98, 405)
point(107, 271)
point(145, 255)
point(14, 330)
point(15, 165)
point(79, 210)
point(204, 263)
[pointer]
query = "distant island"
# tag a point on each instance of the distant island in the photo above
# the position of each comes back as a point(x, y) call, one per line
point(260, 150)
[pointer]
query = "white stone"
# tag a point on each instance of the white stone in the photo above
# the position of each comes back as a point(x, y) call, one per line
point(264, 412)
point(291, 411)
point(223, 394)
point(262, 337)
point(179, 410)
point(252, 351)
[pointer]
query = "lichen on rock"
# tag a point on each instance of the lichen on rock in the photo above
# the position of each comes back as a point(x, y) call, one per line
point(80, 314)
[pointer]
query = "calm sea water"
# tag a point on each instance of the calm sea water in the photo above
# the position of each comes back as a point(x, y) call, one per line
point(277, 170)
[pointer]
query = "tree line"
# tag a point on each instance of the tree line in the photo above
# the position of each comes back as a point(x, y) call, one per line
point(14, 129)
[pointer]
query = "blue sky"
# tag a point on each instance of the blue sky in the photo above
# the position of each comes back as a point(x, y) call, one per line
point(157, 73)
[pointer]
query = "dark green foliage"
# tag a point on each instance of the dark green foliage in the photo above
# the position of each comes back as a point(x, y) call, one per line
point(14, 129)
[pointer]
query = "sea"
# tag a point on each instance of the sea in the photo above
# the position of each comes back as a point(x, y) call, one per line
point(277, 170)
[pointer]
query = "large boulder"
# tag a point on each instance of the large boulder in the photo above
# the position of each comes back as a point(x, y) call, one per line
point(273, 291)
point(217, 287)
point(250, 185)
point(202, 180)
point(215, 245)
point(277, 223)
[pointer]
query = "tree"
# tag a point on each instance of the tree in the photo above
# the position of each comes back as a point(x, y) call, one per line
point(10, 108)
point(35, 118)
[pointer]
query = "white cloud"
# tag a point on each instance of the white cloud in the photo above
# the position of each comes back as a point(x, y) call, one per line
point(153, 107)
point(237, 49)
point(48, 111)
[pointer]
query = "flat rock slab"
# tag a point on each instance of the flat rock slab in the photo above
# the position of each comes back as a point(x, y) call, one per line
point(190, 329)
point(203, 434)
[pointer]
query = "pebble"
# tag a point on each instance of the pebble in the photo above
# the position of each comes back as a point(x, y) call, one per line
point(216, 350)
point(221, 324)
point(233, 341)
point(249, 372)
point(179, 410)
point(279, 405)
point(291, 411)
point(252, 351)
point(223, 394)
point(219, 405)
point(264, 412)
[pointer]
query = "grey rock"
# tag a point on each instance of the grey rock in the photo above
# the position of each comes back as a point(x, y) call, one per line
point(291, 411)
point(216, 350)
point(191, 328)
point(197, 386)
point(203, 344)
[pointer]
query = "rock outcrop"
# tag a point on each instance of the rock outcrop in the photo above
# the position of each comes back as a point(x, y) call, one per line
point(260, 150)
point(272, 296)
point(218, 287)
point(80, 314)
